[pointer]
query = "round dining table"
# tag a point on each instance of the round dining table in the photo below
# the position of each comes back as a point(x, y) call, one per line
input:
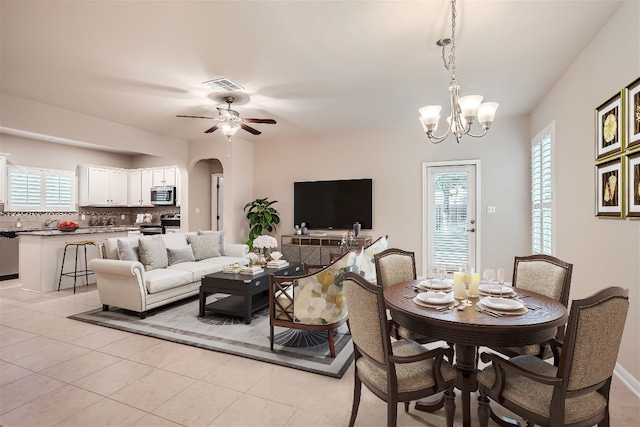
point(470, 329)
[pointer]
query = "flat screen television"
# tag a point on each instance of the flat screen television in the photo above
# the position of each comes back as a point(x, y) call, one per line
point(333, 204)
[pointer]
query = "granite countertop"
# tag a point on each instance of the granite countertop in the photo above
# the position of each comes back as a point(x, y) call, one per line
point(81, 230)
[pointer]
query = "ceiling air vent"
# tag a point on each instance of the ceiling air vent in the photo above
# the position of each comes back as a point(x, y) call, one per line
point(223, 84)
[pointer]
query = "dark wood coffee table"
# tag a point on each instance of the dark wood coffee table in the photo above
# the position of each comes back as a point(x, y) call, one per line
point(247, 293)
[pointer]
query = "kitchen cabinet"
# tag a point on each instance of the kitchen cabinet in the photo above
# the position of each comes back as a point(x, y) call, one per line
point(164, 176)
point(168, 176)
point(101, 186)
point(140, 183)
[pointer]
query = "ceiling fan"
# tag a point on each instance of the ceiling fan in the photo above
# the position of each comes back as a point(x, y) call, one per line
point(230, 121)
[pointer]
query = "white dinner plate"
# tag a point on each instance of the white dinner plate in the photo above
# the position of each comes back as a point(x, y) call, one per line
point(502, 304)
point(496, 289)
point(436, 297)
point(435, 284)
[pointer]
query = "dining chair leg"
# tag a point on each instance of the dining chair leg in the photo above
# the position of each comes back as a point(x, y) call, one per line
point(392, 412)
point(357, 389)
point(271, 336)
point(449, 406)
point(483, 410)
point(406, 406)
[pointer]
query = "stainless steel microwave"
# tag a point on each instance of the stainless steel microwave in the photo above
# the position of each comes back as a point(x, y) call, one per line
point(165, 195)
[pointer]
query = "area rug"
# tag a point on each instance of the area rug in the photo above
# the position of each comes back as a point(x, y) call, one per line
point(180, 323)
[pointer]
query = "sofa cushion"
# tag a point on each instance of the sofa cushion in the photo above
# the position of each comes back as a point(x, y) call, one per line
point(208, 266)
point(204, 245)
point(159, 280)
point(174, 240)
point(111, 248)
point(128, 249)
point(223, 239)
point(153, 254)
point(178, 255)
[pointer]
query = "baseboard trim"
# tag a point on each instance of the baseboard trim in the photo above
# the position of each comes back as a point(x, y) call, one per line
point(627, 379)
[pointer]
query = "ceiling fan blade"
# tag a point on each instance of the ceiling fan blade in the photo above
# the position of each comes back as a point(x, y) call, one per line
point(269, 121)
point(212, 129)
point(195, 117)
point(250, 129)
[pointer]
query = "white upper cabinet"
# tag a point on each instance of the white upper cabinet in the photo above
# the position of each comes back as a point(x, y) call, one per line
point(164, 176)
point(101, 186)
point(106, 186)
point(140, 183)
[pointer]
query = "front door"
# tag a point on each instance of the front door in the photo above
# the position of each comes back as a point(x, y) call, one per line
point(451, 234)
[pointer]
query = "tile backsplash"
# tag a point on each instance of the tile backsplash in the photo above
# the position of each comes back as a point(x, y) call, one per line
point(111, 216)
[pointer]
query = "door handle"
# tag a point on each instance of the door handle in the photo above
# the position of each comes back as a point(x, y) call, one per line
point(471, 230)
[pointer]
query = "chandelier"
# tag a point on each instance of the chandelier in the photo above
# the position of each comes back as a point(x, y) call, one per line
point(464, 110)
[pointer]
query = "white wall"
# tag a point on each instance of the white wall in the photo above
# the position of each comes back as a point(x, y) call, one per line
point(394, 160)
point(605, 252)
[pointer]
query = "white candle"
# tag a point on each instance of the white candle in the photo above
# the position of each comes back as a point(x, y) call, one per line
point(458, 286)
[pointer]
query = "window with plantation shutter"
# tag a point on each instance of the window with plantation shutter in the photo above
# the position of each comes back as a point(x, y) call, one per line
point(542, 192)
point(34, 189)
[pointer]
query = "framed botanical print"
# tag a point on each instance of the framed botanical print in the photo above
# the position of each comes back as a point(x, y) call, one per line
point(633, 185)
point(632, 97)
point(609, 127)
point(609, 190)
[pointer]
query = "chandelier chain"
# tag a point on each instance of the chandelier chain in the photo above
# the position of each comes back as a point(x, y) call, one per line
point(450, 63)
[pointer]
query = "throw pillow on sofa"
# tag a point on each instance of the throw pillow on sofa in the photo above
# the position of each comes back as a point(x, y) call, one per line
point(128, 249)
point(204, 245)
point(178, 255)
point(222, 236)
point(153, 253)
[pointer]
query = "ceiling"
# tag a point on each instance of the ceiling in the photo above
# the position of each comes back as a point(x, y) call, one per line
point(316, 67)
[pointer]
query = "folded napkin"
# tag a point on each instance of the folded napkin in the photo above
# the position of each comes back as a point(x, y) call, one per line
point(436, 284)
point(435, 297)
point(502, 304)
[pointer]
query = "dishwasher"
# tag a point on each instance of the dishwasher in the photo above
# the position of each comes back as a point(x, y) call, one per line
point(8, 255)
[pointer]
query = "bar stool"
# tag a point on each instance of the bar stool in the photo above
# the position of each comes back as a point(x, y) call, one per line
point(75, 273)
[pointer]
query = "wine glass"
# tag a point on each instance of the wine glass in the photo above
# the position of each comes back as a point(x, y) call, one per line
point(431, 273)
point(488, 275)
point(466, 278)
point(500, 277)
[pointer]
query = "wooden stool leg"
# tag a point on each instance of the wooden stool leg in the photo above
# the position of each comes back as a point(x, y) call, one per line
point(86, 268)
point(75, 273)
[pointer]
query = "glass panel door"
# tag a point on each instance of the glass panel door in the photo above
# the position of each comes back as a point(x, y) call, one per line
point(451, 229)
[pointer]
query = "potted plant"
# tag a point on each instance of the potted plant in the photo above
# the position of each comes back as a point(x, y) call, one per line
point(262, 216)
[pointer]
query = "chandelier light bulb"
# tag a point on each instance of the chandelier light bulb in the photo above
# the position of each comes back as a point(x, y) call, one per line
point(229, 129)
point(486, 113)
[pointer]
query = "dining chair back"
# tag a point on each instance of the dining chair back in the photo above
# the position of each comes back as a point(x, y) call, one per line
point(575, 393)
point(394, 265)
point(546, 275)
point(398, 371)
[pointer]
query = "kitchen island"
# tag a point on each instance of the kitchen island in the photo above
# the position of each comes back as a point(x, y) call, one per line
point(41, 255)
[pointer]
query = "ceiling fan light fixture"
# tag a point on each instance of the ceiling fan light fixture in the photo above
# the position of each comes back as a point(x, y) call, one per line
point(229, 129)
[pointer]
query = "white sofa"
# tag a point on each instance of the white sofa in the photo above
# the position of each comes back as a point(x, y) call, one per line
point(134, 275)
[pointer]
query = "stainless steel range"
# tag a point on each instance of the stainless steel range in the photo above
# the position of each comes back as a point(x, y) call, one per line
point(170, 222)
point(9, 257)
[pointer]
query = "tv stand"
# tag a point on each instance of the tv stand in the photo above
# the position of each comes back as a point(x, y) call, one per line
point(315, 250)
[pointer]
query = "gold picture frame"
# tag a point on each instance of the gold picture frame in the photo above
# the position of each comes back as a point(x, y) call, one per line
point(609, 188)
point(632, 98)
point(632, 193)
point(609, 129)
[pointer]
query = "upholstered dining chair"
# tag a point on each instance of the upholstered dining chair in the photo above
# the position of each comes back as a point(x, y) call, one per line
point(311, 302)
point(399, 371)
point(546, 275)
point(575, 393)
point(393, 266)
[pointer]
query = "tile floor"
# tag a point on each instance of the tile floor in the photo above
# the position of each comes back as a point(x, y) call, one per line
point(56, 371)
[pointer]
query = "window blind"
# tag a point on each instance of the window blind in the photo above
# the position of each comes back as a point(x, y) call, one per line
point(542, 192)
point(450, 237)
point(34, 189)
